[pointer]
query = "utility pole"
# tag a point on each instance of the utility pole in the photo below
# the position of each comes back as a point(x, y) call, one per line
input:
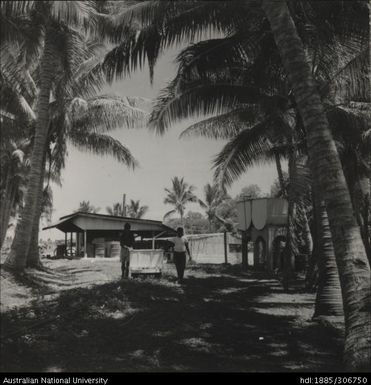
point(124, 205)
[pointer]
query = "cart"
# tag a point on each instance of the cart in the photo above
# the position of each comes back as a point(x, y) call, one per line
point(146, 262)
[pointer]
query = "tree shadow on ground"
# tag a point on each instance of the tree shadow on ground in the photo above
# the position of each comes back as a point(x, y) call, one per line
point(211, 323)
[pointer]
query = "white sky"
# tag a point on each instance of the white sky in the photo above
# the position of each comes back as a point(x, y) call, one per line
point(102, 181)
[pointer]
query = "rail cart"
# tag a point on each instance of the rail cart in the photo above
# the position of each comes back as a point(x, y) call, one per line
point(146, 262)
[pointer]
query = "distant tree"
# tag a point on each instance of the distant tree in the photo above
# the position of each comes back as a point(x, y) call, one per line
point(252, 191)
point(227, 215)
point(179, 195)
point(116, 209)
point(135, 210)
point(86, 207)
point(193, 223)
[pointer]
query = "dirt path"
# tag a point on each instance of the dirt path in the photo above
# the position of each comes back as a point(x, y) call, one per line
point(220, 320)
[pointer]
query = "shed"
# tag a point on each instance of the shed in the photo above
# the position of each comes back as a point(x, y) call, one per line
point(97, 235)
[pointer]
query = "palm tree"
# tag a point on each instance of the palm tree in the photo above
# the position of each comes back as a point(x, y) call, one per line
point(95, 114)
point(213, 198)
point(135, 210)
point(86, 207)
point(86, 131)
point(329, 299)
point(326, 167)
point(81, 120)
point(58, 21)
point(179, 195)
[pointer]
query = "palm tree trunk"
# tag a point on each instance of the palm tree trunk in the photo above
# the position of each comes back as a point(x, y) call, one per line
point(291, 245)
point(311, 278)
point(351, 258)
point(33, 256)
point(307, 235)
point(361, 198)
point(328, 300)
point(6, 205)
point(359, 189)
point(281, 179)
point(21, 243)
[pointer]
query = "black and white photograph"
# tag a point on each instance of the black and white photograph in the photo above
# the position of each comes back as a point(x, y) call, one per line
point(185, 188)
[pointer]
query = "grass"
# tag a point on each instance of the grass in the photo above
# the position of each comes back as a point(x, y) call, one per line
point(221, 319)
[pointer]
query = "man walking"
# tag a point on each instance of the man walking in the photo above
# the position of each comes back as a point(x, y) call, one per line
point(127, 243)
point(180, 247)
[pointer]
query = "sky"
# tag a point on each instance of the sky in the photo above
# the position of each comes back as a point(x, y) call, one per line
point(102, 181)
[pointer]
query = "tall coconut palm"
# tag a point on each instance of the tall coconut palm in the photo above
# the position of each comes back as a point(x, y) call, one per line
point(83, 79)
point(87, 131)
point(135, 210)
point(327, 171)
point(84, 124)
point(56, 22)
point(179, 195)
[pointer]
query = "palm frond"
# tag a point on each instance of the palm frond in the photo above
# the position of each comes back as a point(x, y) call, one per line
point(171, 212)
point(14, 75)
point(166, 23)
point(300, 182)
point(224, 126)
point(199, 100)
point(106, 113)
point(348, 123)
point(210, 56)
point(249, 147)
point(351, 80)
point(74, 13)
point(102, 145)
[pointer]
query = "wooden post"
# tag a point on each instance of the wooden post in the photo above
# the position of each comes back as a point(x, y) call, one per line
point(153, 241)
point(71, 234)
point(65, 244)
point(225, 247)
point(78, 244)
point(85, 244)
point(244, 250)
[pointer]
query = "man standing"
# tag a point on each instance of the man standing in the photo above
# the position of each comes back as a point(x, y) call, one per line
point(127, 243)
point(180, 247)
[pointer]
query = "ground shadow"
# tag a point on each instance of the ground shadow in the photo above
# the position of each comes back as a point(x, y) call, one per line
point(214, 322)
